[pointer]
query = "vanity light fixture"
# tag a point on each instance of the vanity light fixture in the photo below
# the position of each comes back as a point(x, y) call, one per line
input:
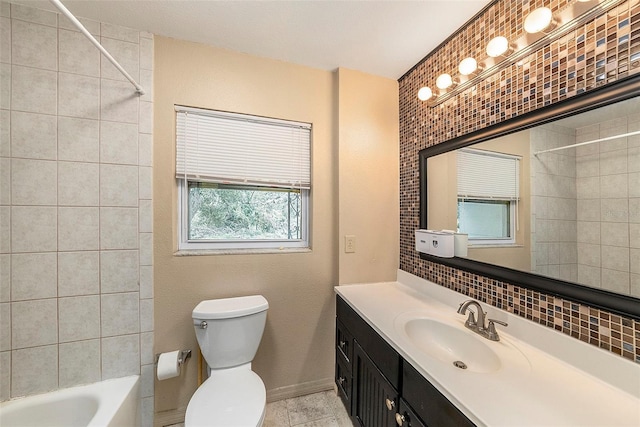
point(498, 46)
point(444, 81)
point(539, 20)
point(541, 27)
point(425, 93)
point(468, 66)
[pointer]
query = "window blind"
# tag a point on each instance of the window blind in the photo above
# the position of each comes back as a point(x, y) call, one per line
point(487, 175)
point(232, 148)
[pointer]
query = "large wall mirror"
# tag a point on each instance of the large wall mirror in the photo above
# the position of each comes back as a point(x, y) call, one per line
point(549, 200)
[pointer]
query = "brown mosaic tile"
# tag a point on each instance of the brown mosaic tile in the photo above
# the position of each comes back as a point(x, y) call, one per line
point(597, 53)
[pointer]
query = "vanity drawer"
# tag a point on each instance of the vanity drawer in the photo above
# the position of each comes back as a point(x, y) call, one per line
point(344, 382)
point(405, 416)
point(428, 403)
point(344, 344)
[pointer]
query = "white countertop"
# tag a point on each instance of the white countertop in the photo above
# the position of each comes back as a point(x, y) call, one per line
point(560, 381)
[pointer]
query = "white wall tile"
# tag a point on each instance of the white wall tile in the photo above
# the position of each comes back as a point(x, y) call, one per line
point(146, 117)
point(5, 229)
point(589, 275)
point(588, 166)
point(33, 136)
point(634, 235)
point(119, 33)
point(147, 377)
point(145, 150)
point(34, 45)
point(126, 53)
point(589, 209)
point(146, 315)
point(119, 102)
point(78, 273)
point(119, 228)
point(634, 184)
point(34, 90)
point(34, 323)
point(5, 375)
point(145, 186)
point(616, 281)
point(118, 185)
point(77, 54)
point(78, 139)
point(615, 234)
point(5, 85)
point(5, 9)
point(119, 143)
point(147, 355)
point(33, 182)
point(588, 187)
point(78, 184)
point(613, 162)
point(5, 326)
point(146, 54)
point(145, 214)
point(78, 229)
point(634, 285)
point(40, 16)
point(79, 318)
point(146, 81)
point(79, 363)
point(5, 40)
point(5, 181)
point(615, 258)
point(5, 133)
point(119, 271)
point(120, 314)
point(146, 249)
point(34, 370)
point(34, 229)
point(79, 96)
point(34, 276)
point(147, 411)
point(146, 281)
point(614, 186)
point(614, 210)
point(634, 210)
point(120, 356)
point(634, 260)
point(92, 26)
point(5, 278)
point(589, 254)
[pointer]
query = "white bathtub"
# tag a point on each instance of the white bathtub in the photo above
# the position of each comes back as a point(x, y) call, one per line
point(107, 403)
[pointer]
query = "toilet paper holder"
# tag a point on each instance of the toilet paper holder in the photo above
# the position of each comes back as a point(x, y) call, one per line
point(182, 359)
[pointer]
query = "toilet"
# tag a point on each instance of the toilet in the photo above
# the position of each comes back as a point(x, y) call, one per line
point(229, 331)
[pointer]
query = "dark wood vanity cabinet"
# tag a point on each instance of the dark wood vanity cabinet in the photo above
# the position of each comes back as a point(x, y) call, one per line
point(378, 387)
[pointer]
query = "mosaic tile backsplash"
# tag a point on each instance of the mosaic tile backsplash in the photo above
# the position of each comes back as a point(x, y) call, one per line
point(600, 52)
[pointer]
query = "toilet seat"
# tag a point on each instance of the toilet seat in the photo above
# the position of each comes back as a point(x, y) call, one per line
point(229, 397)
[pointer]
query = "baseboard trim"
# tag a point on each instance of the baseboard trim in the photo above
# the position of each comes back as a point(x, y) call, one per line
point(302, 389)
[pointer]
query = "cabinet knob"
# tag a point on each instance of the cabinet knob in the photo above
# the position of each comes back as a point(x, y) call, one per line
point(341, 380)
point(342, 344)
point(400, 419)
point(390, 404)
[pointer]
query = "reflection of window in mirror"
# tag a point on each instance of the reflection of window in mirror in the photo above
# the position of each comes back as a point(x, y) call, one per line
point(488, 187)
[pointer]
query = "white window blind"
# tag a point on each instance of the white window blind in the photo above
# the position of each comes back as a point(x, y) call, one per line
point(232, 148)
point(486, 175)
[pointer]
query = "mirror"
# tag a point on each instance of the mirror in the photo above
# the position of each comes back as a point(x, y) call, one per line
point(551, 198)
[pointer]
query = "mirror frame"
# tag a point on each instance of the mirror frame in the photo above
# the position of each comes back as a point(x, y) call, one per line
point(605, 95)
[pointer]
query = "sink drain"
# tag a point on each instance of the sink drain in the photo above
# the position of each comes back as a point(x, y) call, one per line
point(460, 364)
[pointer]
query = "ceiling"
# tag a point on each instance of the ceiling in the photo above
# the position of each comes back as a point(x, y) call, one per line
point(383, 37)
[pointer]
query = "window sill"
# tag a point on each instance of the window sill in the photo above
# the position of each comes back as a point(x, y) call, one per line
point(492, 246)
point(247, 251)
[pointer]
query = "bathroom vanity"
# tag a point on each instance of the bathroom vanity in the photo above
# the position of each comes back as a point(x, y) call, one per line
point(404, 357)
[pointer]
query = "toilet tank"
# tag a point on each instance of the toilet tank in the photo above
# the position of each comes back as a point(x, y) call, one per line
point(233, 329)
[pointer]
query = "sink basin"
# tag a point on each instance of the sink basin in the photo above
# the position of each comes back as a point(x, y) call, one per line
point(451, 343)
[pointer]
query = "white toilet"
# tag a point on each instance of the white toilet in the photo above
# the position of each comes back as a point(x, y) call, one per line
point(229, 332)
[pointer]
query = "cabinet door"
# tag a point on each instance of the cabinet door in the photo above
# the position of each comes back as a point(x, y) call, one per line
point(405, 416)
point(374, 399)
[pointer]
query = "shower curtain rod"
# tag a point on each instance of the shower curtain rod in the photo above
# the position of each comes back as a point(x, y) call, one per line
point(588, 142)
point(58, 4)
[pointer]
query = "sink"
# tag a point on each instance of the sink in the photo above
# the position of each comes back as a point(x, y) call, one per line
point(451, 343)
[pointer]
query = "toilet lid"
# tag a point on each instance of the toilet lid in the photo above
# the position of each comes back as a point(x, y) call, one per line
point(229, 397)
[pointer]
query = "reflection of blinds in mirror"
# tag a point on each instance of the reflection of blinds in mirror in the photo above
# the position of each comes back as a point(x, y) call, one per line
point(487, 175)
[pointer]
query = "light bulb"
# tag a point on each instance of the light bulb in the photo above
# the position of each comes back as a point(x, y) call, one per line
point(425, 93)
point(538, 20)
point(467, 66)
point(497, 46)
point(444, 81)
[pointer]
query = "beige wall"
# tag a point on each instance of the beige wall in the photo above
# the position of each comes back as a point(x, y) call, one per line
point(296, 355)
point(368, 176)
point(442, 202)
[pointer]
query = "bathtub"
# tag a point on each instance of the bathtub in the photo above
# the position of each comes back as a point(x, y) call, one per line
point(106, 403)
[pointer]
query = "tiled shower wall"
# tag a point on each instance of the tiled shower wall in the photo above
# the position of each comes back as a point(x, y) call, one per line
point(597, 53)
point(554, 241)
point(76, 292)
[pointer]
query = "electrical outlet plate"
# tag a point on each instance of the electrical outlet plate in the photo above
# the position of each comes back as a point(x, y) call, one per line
point(349, 244)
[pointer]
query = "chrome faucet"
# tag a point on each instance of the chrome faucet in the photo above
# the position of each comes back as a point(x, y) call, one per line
point(479, 327)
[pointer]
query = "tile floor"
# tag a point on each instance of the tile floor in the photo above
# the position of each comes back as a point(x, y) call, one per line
point(324, 409)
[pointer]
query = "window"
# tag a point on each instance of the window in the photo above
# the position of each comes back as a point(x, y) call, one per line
point(244, 181)
point(488, 193)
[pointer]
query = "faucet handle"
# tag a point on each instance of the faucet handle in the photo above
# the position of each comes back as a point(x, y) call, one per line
point(492, 334)
point(471, 320)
